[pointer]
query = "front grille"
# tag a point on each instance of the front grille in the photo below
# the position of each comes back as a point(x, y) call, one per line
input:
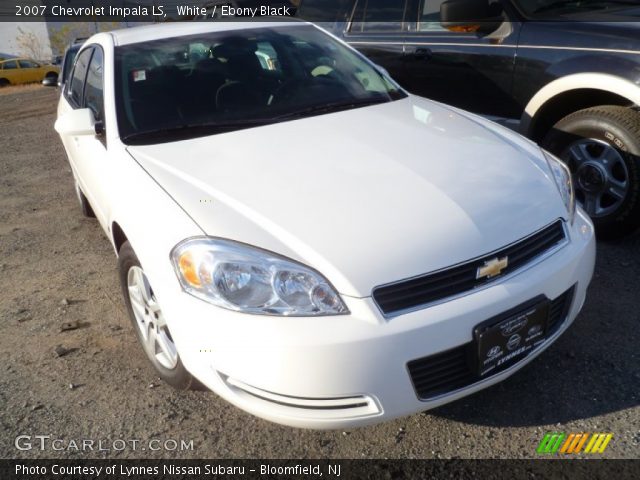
point(558, 311)
point(436, 286)
point(454, 369)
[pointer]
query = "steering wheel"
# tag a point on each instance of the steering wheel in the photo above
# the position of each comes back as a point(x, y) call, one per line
point(281, 93)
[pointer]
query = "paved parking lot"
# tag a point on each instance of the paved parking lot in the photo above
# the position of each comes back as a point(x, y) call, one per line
point(57, 267)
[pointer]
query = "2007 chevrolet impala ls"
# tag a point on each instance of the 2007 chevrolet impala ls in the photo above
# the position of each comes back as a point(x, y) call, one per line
point(298, 234)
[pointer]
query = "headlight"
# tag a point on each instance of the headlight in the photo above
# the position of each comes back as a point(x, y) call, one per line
point(247, 279)
point(562, 176)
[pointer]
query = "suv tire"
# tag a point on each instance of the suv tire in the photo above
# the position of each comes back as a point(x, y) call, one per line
point(601, 145)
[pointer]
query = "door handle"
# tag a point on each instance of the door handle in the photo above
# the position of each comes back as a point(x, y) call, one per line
point(422, 53)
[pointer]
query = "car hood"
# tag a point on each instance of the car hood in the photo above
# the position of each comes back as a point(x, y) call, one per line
point(366, 196)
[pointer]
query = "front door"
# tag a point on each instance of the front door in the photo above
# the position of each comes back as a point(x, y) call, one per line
point(31, 71)
point(467, 70)
point(90, 163)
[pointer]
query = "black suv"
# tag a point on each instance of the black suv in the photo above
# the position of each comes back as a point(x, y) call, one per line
point(566, 73)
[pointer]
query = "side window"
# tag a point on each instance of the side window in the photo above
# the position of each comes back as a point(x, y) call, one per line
point(93, 88)
point(67, 65)
point(27, 64)
point(10, 65)
point(429, 20)
point(377, 16)
point(76, 85)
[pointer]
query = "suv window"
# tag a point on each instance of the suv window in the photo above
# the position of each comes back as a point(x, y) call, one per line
point(27, 64)
point(76, 86)
point(377, 16)
point(93, 88)
point(10, 65)
point(429, 20)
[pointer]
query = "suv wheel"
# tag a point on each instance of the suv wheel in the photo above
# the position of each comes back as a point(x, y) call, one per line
point(601, 146)
point(149, 323)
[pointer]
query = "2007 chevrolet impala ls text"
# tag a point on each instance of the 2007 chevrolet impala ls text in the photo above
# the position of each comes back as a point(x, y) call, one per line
point(300, 235)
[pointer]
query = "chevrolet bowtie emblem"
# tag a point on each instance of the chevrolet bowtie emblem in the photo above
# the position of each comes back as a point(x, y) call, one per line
point(492, 268)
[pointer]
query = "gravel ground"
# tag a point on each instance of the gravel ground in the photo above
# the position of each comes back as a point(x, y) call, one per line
point(57, 267)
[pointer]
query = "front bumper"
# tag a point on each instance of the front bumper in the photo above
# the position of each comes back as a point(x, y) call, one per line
point(347, 371)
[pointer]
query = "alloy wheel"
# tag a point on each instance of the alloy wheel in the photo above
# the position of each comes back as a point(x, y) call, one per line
point(157, 340)
point(600, 175)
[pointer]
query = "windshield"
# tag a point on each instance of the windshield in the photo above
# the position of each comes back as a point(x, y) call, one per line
point(534, 7)
point(217, 82)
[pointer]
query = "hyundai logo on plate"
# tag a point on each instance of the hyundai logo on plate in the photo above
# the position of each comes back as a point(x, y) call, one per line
point(494, 351)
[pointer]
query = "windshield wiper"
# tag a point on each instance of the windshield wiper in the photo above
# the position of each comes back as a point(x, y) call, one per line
point(168, 134)
point(329, 107)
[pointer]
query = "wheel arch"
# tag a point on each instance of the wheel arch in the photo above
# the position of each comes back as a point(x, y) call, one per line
point(118, 237)
point(572, 93)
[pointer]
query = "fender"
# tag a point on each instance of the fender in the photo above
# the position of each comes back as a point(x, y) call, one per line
point(152, 232)
point(587, 80)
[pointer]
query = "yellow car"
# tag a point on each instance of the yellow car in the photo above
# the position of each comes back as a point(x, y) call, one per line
point(16, 71)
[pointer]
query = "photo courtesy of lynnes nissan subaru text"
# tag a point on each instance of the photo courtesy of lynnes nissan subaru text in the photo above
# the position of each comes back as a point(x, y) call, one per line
point(300, 235)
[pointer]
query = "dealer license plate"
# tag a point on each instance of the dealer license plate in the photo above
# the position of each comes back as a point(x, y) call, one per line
point(507, 341)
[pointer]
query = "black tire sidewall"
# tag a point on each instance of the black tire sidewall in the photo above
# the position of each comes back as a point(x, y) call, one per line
point(85, 207)
point(177, 377)
point(590, 124)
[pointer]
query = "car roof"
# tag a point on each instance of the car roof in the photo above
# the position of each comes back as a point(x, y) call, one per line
point(177, 29)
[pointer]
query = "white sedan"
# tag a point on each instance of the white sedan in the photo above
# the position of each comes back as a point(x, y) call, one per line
point(300, 235)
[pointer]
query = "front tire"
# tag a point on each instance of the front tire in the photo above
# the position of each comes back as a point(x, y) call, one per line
point(601, 146)
point(149, 323)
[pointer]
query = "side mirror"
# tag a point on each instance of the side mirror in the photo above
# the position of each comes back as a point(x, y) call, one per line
point(471, 16)
point(76, 123)
point(50, 81)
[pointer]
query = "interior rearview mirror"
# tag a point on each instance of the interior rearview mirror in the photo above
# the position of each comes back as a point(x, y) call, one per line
point(76, 122)
point(471, 16)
